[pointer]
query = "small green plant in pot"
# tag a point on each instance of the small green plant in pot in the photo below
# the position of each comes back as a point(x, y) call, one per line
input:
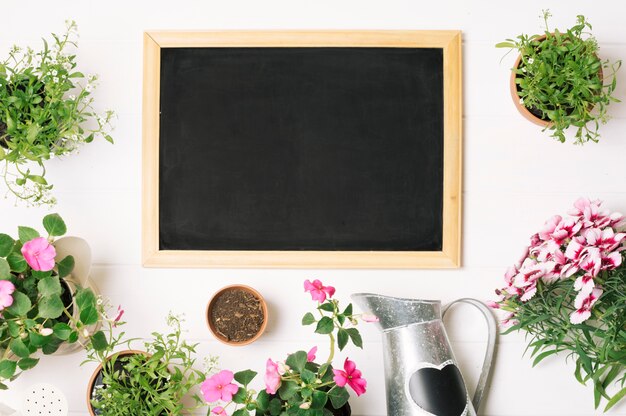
point(46, 110)
point(558, 80)
point(150, 382)
point(39, 309)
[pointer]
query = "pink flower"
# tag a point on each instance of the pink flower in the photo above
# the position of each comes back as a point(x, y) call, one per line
point(39, 254)
point(6, 291)
point(219, 387)
point(120, 313)
point(351, 376)
point(272, 377)
point(583, 304)
point(219, 410)
point(318, 290)
point(368, 317)
point(310, 356)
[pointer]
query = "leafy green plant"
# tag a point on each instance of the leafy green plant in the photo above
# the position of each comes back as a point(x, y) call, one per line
point(568, 293)
point(560, 79)
point(46, 110)
point(38, 313)
point(150, 383)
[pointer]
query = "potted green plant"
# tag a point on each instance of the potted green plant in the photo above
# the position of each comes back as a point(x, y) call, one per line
point(298, 385)
point(46, 110)
point(152, 381)
point(558, 80)
point(568, 293)
point(43, 308)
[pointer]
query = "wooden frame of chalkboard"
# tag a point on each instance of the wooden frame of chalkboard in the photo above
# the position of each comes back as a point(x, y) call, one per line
point(447, 252)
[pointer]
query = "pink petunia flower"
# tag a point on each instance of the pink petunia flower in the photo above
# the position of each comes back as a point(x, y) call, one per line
point(310, 356)
point(39, 254)
point(318, 290)
point(351, 376)
point(219, 387)
point(272, 377)
point(6, 294)
point(219, 410)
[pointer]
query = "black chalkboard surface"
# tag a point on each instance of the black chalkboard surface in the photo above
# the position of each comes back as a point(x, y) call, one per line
point(298, 149)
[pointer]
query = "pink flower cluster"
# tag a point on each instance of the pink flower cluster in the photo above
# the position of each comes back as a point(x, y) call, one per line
point(577, 247)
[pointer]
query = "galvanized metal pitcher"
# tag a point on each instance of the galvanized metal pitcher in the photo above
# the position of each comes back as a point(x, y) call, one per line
point(421, 374)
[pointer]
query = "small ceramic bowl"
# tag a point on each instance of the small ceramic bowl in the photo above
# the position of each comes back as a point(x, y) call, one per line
point(213, 327)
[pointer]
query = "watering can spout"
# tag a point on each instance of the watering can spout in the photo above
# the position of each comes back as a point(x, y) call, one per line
point(398, 312)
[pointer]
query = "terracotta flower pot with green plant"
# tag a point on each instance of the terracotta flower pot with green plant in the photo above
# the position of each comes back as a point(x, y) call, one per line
point(559, 81)
point(46, 110)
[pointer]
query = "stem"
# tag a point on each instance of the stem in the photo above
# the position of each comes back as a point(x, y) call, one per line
point(332, 349)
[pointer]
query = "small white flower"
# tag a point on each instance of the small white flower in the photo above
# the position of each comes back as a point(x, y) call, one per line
point(55, 79)
point(54, 72)
point(67, 66)
point(88, 88)
point(72, 97)
point(524, 69)
point(99, 301)
point(531, 60)
point(521, 101)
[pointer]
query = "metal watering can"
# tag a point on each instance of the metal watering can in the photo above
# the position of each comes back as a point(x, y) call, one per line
point(421, 374)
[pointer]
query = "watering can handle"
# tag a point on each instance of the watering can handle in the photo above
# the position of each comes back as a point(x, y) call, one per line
point(491, 345)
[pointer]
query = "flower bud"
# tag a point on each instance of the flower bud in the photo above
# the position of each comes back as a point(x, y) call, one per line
point(305, 405)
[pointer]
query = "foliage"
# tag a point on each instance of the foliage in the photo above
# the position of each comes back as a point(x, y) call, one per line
point(33, 315)
point(559, 79)
point(298, 385)
point(46, 110)
point(568, 293)
point(153, 383)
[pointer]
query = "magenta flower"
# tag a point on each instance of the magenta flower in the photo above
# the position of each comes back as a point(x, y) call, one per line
point(351, 376)
point(219, 410)
point(272, 377)
point(583, 304)
point(219, 387)
point(318, 290)
point(120, 313)
point(39, 254)
point(6, 291)
point(310, 356)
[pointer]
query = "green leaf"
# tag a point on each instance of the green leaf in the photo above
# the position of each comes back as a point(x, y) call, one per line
point(27, 363)
point(5, 269)
point(7, 369)
point(240, 396)
point(307, 376)
point(287, 390)
point(50, 286)
point(342, 338)
point(543, 355)
point(355, 337)
point(65, 266)
point(6, 245)
point(21, 304)
point(308, 319)
point(325, 326)
point(297, 361)
point(98, 341)
point(62, 331)
point(327, 306)
point(19, 348)
point(241, 412)
point(54, 225)
point(338, 396)
point(26, 234)
point(51, 307)
point(85, 299)
point(89, 315)
point(245, 377)
point(17, 262)
point(275, 407)
point(348, 310)
point(37, 340)
point(319, 399)
point(616, 398)
point(263, 401)
point(38, 179)
point(3, 154)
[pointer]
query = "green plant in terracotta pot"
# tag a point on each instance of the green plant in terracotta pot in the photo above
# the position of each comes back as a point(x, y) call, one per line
point(152, 381)
point(42, 306)
point(46, 110)
point(558, 80)
point(299, 385)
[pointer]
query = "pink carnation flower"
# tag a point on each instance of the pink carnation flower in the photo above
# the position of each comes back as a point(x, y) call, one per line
point(219, 387)
point(6, 294)
point(39, 254)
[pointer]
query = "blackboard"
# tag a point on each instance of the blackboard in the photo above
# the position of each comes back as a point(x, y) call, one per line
point(301, 151)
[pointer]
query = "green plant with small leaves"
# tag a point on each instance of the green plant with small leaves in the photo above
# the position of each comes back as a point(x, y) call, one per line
point(298, 385)
point(153, 382)
point(46, 110)
point(561, 79)
point(38, 312)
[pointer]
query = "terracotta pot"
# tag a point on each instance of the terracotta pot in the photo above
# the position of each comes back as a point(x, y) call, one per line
point(524, 111)
point(212, 326)
point(96, 377)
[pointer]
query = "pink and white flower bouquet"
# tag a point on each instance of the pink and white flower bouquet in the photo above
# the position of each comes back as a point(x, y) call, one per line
point(298, 385)
point(568, 292)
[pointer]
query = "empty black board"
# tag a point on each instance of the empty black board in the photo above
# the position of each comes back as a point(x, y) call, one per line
point(301, 149)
